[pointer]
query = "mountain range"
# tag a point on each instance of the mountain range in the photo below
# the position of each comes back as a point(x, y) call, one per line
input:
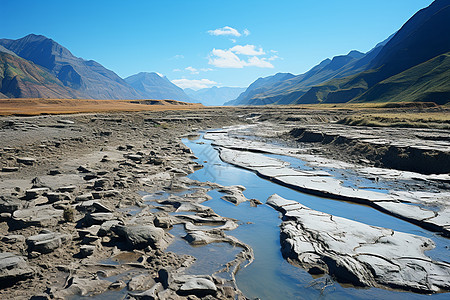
point(214, 96)
point(38, 67)
point(155, 86)
point(410, 65)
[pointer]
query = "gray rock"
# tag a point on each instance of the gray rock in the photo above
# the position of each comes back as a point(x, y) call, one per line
point(150, 294)
point(200, 287)
point(10, 204)
point(26, 160)
point(10, 169)
point(233, 194)
point(14, 238)
point(141, 283)
point(163, 221)
point(40, 216)
point(13, 268)
point(55, 196)
point(84, 197)
point(46, 242)
point(141, 236)
point(105, 228)
point(358, 253)
point(86, 250)
point(67, 189)
point(98, 218)
point(35, 192)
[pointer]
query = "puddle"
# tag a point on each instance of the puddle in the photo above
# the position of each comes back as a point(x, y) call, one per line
point(270, 276)
point(209, 258)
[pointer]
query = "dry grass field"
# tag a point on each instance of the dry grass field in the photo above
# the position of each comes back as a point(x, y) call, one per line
point(31, 107)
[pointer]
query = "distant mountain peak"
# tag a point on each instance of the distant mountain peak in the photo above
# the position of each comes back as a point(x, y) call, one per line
point(154, 85)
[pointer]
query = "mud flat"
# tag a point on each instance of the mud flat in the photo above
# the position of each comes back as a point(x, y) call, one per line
point(74, 219)
point(99, 203)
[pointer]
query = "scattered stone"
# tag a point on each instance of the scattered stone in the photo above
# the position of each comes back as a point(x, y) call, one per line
point(98, 218)
point(40, 216)
point(57, 196)
point(141, 236)
point(10, 169)
point(13, 239)
point(46, 241)
point(86, 250)
point(150, 294)
point(141, 283)
point(26, 160)
point(35, 192)
point(54, 172)
point(10, 204)
point(13, 268)
point(200, 287)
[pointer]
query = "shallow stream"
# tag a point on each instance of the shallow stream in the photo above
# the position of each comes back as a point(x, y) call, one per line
point(270, 276)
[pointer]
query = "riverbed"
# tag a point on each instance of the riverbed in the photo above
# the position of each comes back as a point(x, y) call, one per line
point(270, 276)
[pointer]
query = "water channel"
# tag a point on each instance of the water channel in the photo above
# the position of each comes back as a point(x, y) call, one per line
point(270, 276)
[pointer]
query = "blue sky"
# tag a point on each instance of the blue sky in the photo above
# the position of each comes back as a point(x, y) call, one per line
point(201, 43)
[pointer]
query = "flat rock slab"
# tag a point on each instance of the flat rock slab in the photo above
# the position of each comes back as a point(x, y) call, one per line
point(13, 268)
point(40, 216)
point(320, 183)
point(358, 253)
point(46, 242)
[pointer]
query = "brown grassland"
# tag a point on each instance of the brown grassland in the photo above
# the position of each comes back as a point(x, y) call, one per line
point(35, 106)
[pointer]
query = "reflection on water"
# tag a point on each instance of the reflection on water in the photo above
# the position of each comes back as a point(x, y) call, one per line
point(270, 276)
point(209, 258)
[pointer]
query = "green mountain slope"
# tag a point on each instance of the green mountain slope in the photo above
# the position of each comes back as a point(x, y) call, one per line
point(90, 78)
point(396, 72)
point(20, 78)
point(426, 82)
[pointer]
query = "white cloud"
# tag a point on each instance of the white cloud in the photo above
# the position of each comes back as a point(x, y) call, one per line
point(246, 32)
point(259, 62)
point(225, 59)
point(194, 84)
point(176, 70)
point(247, 50)
point(273, 57)
point(192, 70)
point(178, 56)
point(229, 58)
point(227, 30)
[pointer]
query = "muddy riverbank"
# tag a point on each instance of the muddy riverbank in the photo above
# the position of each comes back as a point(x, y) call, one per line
point(100, 203)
